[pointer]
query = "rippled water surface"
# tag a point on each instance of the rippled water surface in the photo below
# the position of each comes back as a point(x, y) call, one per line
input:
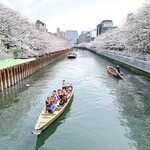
point(106, 113)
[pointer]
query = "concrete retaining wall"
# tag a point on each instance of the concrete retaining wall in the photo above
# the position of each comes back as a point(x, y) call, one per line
point(12, 75)
point(138, 66)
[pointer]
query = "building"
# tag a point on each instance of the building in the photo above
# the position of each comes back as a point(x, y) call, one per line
point(82, 37)
point(72, 36)
point(87, 36)
point(103, 26)
point(92, 34)
point(130, 17)
point(41, 26)
point(60, 34)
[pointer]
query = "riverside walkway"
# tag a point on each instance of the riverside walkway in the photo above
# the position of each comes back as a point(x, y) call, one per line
point(12, 62)
point(13, 71)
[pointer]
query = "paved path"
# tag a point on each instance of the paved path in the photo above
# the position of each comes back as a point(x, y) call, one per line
point(11, 62)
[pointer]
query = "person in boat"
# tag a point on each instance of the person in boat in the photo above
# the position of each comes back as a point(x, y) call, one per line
point(49, 100)
point(59, 94)
point(54, 95)
point(68, 94)
point(63, 100)
point(118, 68)
point(64, 85)
point(52, 106)
point(64, 92)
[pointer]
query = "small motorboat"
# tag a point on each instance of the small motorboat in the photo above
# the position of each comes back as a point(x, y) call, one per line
point(72, 55)
point(113, 71)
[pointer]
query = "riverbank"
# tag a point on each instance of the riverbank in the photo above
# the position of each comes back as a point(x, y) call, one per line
point(10, 75)
point(12, 62)
point(136, 65)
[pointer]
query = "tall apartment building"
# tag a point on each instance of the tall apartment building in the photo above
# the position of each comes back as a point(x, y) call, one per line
point(41, 26)
point(83, 37)
point(72, 36)
point(103, 26)
point(87, 36)
point(92, 34)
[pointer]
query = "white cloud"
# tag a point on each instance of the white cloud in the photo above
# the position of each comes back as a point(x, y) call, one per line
point(76, 15)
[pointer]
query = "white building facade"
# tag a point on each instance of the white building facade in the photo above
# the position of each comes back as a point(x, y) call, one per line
point(87, 36)
point(41, 26)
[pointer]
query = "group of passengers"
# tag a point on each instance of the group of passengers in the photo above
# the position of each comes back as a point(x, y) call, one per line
point(59, 96)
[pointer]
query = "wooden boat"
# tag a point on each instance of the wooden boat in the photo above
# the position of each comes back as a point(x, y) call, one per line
point(72, 55)
point(46, 118)
point(114, 72)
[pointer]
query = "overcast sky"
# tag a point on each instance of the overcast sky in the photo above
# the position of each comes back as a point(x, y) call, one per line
point(80, 15)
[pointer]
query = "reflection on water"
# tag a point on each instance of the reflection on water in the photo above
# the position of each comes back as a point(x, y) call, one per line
point(8, 97)
point(134, 100)
point(53, 127)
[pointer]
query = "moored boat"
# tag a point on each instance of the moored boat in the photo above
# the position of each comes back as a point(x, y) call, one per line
point(113, 71)
point(72, 55)
point(46, 118)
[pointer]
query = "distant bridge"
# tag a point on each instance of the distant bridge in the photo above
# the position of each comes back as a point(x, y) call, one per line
point(80, 47)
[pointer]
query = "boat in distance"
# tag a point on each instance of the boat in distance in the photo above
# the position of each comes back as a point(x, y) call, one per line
point(114, 72)
point(72, 55)
point(45, 118)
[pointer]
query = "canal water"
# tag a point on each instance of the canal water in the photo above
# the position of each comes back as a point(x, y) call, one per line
point(106, 113)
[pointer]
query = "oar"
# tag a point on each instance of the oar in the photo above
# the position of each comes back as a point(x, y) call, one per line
point(119, 74)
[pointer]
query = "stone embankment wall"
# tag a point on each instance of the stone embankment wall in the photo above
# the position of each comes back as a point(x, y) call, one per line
point(14, 74)
point(136, 65)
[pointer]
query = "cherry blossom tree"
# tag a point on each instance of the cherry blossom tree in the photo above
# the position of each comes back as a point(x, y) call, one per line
point(133, 36)
point(20, 33)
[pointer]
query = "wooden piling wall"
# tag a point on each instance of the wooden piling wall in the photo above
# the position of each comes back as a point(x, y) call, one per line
point(12, 75)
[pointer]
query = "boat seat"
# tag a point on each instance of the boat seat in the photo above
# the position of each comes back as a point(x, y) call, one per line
point(41, 122)
point(46, 117)
point(45, 114)
point(58, 108)
point(48, 114)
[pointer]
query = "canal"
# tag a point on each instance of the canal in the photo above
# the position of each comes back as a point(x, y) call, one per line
point(106, 113)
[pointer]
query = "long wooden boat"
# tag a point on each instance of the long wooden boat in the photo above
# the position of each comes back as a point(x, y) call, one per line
point(72, 55)
point(114, 72)
point(46, 118)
